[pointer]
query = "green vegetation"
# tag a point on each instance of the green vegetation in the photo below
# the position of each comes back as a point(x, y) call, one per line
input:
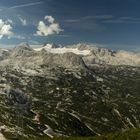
point(133, 134)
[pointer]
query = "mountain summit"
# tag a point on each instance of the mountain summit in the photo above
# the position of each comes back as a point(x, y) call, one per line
point(22, 49)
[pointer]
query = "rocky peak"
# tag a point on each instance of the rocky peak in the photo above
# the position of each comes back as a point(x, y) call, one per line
point(50, 46)
point(22, 49)
point(23, 46)
point(69, 60)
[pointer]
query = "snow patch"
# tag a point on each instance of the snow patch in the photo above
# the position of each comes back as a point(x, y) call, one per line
point(4, 50)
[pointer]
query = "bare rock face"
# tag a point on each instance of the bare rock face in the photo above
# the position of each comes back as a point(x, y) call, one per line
point(4, 54)
point(69, 60)
point(22, 50)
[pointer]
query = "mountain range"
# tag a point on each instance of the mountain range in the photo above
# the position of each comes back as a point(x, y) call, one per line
point(90, 54)
point(75, 90)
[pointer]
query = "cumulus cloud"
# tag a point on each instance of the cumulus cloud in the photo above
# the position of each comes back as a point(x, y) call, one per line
point(50, 19)
point(49, 28)
point(23, 21)
point(5, 29)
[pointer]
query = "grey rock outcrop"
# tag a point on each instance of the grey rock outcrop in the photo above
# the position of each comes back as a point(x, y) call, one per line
point(69, 60)
point(22, 49)
point(4, 54)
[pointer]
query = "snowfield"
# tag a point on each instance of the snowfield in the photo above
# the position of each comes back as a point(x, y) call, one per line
point(62, 50)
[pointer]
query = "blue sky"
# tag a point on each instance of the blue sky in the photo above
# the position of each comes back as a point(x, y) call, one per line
point(111, 23)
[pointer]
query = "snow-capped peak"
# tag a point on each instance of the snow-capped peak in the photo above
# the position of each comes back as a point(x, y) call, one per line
point(50, 46)
point(58, 49)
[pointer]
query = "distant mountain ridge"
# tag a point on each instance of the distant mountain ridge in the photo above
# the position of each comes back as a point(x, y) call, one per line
point(25, 56)
point(105, 56)
point(63, 55)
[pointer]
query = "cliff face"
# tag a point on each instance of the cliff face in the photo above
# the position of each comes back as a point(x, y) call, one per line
point(68, 60)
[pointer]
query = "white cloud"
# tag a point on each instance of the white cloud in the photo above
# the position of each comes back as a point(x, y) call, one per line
point(23, 21)
point(5, 29)
point(9, 21)
point(50, 28)
point(50, 19)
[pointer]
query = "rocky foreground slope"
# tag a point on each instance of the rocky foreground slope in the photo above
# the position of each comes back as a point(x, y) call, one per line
point(43, 92)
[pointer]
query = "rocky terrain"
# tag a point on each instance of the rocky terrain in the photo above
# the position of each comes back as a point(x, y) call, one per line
point(84, 91)
point(108, 57)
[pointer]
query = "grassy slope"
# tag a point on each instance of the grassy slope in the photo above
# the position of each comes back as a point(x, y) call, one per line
point(133, 134)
